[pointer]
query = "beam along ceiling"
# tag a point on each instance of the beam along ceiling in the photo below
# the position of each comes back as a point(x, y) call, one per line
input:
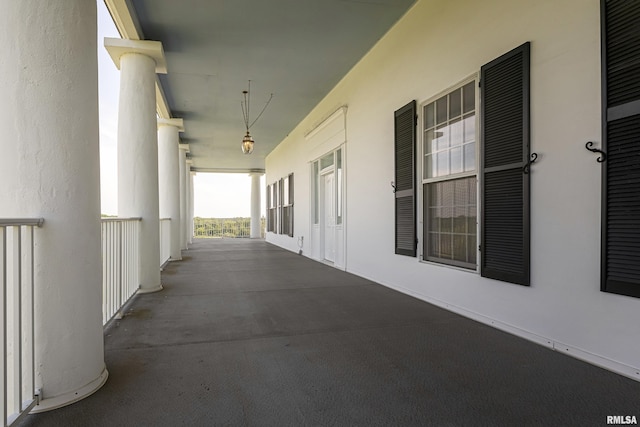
point(296, 49)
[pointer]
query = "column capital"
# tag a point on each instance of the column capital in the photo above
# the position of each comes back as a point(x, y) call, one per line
point(189, 161)
point(184, 147)
point(153, 49)
point(177, 123)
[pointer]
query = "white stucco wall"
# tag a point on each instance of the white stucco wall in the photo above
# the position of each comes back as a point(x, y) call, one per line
point(434, 46)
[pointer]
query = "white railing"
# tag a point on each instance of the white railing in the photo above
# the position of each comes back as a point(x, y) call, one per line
point(120, 258)
point(165, 240)
point(18, 394)
point(225, 227)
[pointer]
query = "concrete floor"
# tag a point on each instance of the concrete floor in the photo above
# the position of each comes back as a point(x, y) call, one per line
point(245, 333)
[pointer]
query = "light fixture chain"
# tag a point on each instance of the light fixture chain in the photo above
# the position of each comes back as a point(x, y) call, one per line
point(264, 108)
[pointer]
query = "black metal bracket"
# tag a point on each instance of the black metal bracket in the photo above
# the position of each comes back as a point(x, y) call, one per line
point(393, 186)
point(525, 168)
point(603, 155)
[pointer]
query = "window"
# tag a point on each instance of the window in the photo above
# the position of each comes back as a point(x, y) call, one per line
point(456, 155)
point(316, 195)
point(620, 271)
point(280, 206)
point(331, 163)
point(449, 178)
point(287, 208)
point(339, 178)
point(271, 208)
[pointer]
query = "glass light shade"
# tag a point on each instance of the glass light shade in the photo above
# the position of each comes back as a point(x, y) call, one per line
point(247, 144)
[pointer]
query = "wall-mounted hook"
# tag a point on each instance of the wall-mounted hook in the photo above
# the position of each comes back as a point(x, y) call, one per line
point(603, 155)
point(534, 157)
point(393, 186)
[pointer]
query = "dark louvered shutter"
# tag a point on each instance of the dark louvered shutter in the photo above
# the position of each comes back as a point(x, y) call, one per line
point(505, 187)
point(290, 207)
point(621, 142)
point(405, 148)
point(269, 208)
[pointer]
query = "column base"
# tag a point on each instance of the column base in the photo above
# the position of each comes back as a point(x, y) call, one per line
point(72, 397)
point(150, 290)
point(175, 259)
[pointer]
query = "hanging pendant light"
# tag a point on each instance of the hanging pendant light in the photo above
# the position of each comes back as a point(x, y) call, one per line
point(247, 144)
point(247, 141)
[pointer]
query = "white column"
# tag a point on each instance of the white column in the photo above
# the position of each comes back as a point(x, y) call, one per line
point(255, 205)
point(139, 61)
point(50, 168)
point(169, 180)
point(183, 194)
point(191, 204)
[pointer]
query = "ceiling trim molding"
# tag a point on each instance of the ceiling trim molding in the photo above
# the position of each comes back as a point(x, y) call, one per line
point(127, 24)
point(341, 112)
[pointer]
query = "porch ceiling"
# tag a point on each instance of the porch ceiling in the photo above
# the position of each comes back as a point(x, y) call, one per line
point(296, 49)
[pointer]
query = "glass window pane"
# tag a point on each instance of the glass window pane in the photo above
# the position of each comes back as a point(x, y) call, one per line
point(429, 115)
point(339, 186)
point(442, 163)
point(447, 188)
point(429, 142)
point(441, 110)
point(434, 220)
point(446, 219)
point(461, 190)
point(451, 220)
point(315, 193)
point(455, 132)
point(435, 195)
point(470, 128)
point(285, 198)
point(455, 103)
point(434, 245)
point(456, 160)
point(339, 197)
point(428, 166)
point(472, 220)
point(460, 247)
point(326, 161)
point(471, 182)
point(441, 138)
point(471, 249)
point(469, 97)
point(460, 220)
point(470, 157)
point(446, 250)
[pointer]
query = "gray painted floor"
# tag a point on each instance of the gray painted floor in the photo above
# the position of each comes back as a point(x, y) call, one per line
point(245, 333)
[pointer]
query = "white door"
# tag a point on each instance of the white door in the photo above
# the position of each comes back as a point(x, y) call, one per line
point(328, 217)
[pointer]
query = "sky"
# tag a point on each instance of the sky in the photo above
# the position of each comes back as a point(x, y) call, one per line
point(215, 195)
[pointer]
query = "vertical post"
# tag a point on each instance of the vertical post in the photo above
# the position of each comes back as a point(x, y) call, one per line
point(169, 179)
point(191, 206)
point(50, 167)
point(255, 205)
point(182, 163)
point(139, 61)
point(3, 325)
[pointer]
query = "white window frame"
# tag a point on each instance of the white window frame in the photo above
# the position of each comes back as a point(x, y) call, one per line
point(422, 181)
